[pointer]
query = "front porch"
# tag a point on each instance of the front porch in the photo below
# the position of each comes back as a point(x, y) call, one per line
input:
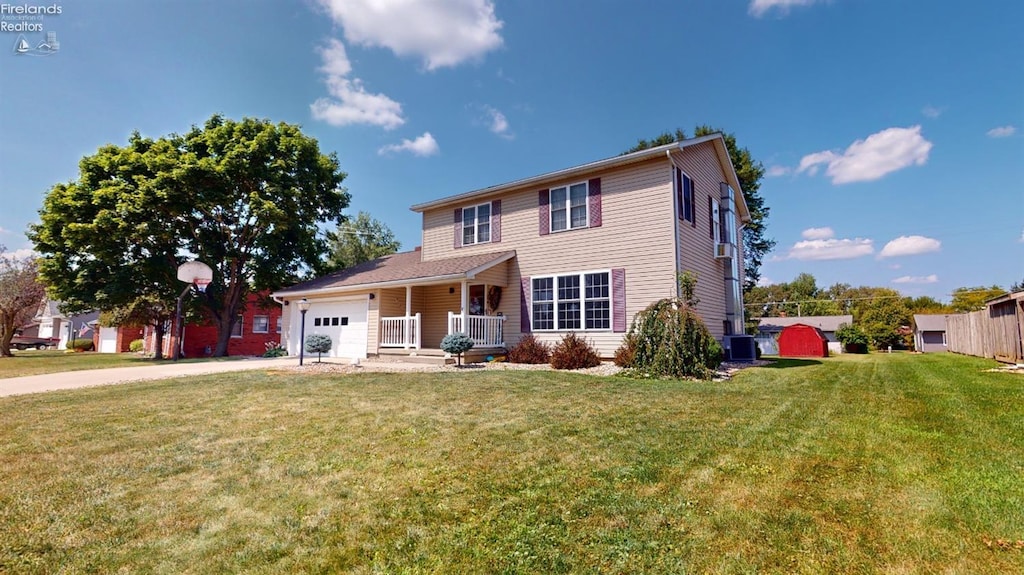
point(427, 313)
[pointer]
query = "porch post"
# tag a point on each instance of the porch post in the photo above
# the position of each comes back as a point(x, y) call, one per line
point(465, 307)
point(408, 312)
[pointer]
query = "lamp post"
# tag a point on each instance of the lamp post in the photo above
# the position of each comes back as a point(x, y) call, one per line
point(303, 308)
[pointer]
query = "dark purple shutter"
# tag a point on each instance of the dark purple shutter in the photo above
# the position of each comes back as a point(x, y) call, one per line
point(544, 211)
point(594, 202)
point(618, 300)
point(677, 183)
point(692, 195)
point(496, 221)
point(524, 305)
point(458, 227)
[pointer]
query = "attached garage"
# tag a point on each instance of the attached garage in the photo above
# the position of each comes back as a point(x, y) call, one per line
point(344, 321)
point(108, 340)
point(801, 340)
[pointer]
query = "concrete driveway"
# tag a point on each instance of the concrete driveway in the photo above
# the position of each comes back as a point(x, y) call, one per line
point(93, 377)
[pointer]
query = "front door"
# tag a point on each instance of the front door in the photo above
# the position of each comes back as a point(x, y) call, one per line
point(477, 303)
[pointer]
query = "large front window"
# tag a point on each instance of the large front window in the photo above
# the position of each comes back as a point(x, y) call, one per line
point(476, 224)
point(572, 302)
point(569, 207)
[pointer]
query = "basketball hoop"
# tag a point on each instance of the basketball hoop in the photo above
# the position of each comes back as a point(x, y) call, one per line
point(194, 273)
point(201, 284)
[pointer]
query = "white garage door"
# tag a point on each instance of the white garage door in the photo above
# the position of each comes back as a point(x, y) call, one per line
point(108, 340)
point(344, 322)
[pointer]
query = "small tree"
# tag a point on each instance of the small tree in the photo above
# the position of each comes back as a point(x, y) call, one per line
point(669, 339)
point(318, 343)
point(20, 296)
point(457, 343)
point(853, 338)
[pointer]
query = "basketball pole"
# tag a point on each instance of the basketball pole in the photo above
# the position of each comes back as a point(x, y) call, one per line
point(179, 320)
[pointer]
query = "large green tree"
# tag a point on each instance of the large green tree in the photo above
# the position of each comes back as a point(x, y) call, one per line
point(967, 299)
point(756, 244)
point(20, 296)
point(246, 197)
point(360, 240)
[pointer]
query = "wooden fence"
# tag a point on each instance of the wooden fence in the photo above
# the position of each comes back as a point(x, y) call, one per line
point(994, 332)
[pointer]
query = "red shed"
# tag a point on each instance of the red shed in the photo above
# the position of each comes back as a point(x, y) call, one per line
point(802, 340)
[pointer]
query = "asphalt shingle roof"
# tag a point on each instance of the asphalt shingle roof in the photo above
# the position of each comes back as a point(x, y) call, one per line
point(930, 322)
point(822, 322)
point(404, 266)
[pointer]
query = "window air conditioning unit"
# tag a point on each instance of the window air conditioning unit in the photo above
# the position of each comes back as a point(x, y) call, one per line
point(723, 251)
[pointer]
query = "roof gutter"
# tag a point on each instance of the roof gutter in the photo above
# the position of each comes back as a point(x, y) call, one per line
point(370, 286)
point(606, 163)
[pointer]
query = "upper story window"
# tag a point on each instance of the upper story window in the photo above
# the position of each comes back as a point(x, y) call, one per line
point(715, 220)
point(476, 224)
point(569, 207)
point(684, 192)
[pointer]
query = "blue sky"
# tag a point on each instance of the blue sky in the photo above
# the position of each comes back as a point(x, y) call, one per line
point(893, 132)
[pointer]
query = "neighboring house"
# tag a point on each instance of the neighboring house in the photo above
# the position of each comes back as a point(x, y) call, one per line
point(929, 332)
point(581, 249)
point(769, 328)
point(54, 323)
point(258, 325)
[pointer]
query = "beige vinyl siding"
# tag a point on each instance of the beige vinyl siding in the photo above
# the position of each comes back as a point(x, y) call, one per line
point(636, 234)
point(372, 325)
point(496, 276)
point(437, 303)
point(696, 248)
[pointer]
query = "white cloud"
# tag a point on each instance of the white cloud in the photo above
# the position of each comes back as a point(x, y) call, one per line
point(1002, 132)
point(20, 254)
point(871, 158)
point(758, 8)
point(442, 33)
point(351, 103)
point(830, 249)
point(765, 281)
point(777, 171)
point(423, 146)
point(910, 246)
point(497, 122)
point(932, 111)
point(818, 234)
point(1021, 240)
point(929, 279)
point(895, 266)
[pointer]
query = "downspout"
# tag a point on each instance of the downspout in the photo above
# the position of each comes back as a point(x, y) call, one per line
point(675, 220)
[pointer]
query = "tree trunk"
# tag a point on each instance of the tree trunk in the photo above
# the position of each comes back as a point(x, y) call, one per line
point(6, 335)
point(158, 353)
point(229, 315)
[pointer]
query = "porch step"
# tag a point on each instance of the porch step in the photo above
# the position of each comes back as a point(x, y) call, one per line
point(425, 356)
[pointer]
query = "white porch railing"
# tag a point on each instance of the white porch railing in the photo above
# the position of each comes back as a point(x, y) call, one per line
point(484, 330)
point(401, 332)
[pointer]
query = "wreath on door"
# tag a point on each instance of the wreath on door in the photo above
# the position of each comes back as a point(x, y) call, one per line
point(493, 298)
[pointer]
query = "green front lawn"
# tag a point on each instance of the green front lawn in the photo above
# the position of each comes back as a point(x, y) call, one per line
point(32, 362)
point(882, 463)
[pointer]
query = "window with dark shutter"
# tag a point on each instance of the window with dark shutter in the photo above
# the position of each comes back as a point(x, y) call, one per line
point(544, 211)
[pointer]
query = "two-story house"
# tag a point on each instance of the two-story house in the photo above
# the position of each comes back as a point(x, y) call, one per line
point(577, 250)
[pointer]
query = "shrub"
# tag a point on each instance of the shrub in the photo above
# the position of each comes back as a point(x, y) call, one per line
point(274, 349)
point(853, 338)
point(716, 354)
point(573, 352)
point(530, 350)
point(671, 340)
point(626, 354)
point(136, 346)
point(318, 343)
point(82, 345)
point(457, 343)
